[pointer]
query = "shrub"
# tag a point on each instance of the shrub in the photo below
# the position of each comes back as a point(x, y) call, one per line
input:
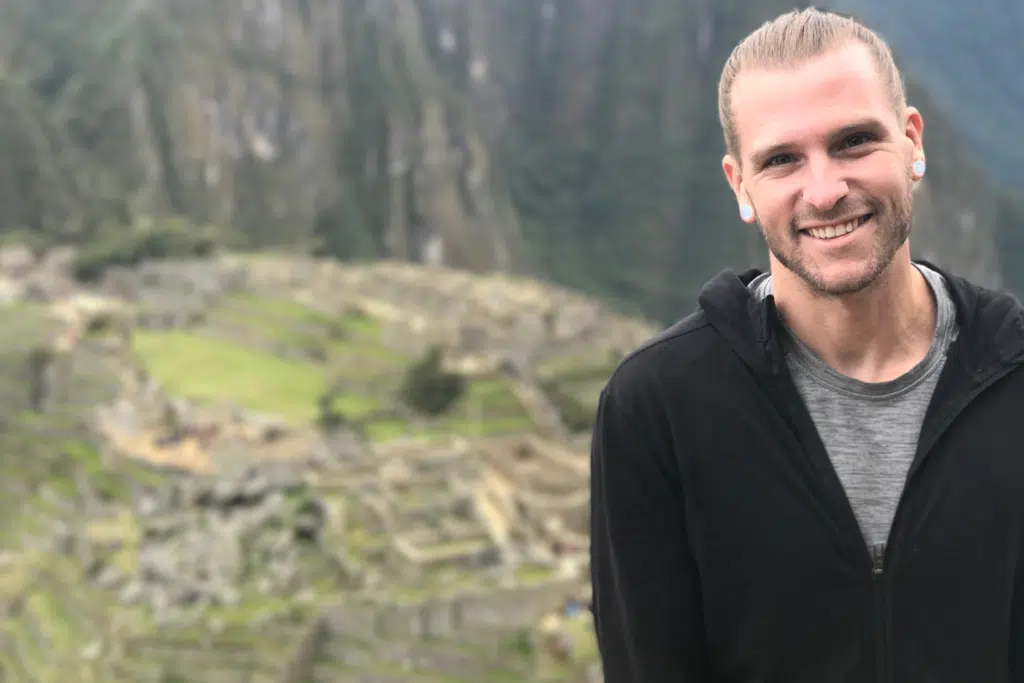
point(129, 246)
point(575, 416)
point(328, 416)
point(428, 389)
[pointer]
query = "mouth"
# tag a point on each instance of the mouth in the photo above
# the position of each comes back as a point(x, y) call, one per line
point(837, 230)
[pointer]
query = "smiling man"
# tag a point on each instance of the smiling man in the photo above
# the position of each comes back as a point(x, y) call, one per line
point(816, 476)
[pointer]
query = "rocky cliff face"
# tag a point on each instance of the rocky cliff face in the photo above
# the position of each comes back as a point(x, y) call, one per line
point(601, 115)
point(573, 139)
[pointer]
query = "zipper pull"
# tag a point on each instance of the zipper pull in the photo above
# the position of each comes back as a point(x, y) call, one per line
point(878, 559)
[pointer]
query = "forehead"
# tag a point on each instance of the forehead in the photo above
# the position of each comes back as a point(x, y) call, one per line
point(805, 102)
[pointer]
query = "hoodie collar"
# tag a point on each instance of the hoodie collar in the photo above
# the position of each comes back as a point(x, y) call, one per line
point(991, 323)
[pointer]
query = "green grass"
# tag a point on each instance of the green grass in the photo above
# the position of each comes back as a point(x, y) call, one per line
point(113, 482)
point(207, 369)
point(580, 630)
point(594, 364)
point(357, 407)
point(287, 321)
point(530, 573)
point(60, 617)
point(487, 408)
point(360, 325)
point(488, 398)
point(390, 429)
point(26, 325)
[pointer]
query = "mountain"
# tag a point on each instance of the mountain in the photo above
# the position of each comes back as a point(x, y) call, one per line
point(291, 470)
point(574, 140)
point(613, 150)
point(967, 57)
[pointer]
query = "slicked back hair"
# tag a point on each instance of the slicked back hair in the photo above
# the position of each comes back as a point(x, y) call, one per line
point(793, 38)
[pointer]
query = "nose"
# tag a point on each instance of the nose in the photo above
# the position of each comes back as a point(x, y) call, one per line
point(824, 186)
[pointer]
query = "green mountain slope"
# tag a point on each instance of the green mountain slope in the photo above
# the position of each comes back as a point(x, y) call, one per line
point(284, 470)
point(968, 57)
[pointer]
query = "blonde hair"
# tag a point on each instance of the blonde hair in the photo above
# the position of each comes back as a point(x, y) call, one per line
point(792, 38)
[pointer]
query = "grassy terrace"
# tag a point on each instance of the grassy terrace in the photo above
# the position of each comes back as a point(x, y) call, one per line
point(46, 459)
point(209, 369)
point(60, 620)
point(239, 355)
point(447, 661)
point(197, 655)
point(574, 382)
point(49, 464)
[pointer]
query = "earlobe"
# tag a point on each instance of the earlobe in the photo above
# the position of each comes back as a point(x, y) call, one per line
point(735, 179)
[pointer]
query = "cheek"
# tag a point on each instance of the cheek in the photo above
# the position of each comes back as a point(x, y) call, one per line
point(885, 180)
point(774, 212)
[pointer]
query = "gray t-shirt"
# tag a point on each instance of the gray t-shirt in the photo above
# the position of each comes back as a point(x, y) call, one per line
point(871, 429)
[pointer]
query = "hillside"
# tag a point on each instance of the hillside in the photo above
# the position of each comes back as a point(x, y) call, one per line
point(967, 56)
point(215, 469)
point(577, 140)
point(963, 59)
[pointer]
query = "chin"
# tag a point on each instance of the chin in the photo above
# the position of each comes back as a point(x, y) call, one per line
point(841, 281)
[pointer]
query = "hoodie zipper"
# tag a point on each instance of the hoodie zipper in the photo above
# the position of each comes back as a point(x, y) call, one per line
point(880, 610)
point(881, 554)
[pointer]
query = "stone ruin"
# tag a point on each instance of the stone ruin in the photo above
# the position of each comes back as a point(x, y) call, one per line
point(485, 322)
point(145, 423)
point(465, 507)
point(197, 541)
point(419, 544)
point(421, 540)
point(172, 294)
point(24, 276)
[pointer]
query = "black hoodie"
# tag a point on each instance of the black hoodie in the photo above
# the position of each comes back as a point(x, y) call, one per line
point(723, 548)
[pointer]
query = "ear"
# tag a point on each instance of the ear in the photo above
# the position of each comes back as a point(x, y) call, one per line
point(734, 176)
point(913, 128)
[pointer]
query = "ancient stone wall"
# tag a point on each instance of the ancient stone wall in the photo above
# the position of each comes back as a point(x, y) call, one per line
point(300, 668)
point(497, 609)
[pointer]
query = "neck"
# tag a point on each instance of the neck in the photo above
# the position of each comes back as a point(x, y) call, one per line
point(874, 335)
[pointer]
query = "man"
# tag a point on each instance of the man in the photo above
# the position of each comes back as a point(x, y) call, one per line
point(817, 477)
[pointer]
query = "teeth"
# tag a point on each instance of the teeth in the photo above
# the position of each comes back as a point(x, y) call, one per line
point(834, 230)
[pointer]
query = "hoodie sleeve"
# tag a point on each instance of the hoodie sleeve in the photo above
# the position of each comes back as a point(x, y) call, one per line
point(646, 597)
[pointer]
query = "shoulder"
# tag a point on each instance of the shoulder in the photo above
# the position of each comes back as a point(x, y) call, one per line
point(991, 321)
point(665, 365)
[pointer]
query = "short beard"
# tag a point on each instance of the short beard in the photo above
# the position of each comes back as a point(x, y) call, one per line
point(893, 220)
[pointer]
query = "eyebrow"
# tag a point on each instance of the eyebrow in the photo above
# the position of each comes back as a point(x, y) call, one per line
point(868, 125)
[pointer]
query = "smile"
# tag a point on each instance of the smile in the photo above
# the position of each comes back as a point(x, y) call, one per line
point(839, 229)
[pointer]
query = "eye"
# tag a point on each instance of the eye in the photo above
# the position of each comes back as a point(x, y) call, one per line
point(858, 139)
point(778, 160)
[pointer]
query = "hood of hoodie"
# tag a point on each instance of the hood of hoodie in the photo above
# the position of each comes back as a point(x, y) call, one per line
point(991, 322)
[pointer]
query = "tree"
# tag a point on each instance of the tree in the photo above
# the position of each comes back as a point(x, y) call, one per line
point(427, 388)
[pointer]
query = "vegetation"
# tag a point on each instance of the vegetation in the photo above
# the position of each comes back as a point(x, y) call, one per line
point(561, 147)
point(574, 382)
point(207, 369)
point(428, 388)
point(151, 241)
point(968, 57)
point(340, 373)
